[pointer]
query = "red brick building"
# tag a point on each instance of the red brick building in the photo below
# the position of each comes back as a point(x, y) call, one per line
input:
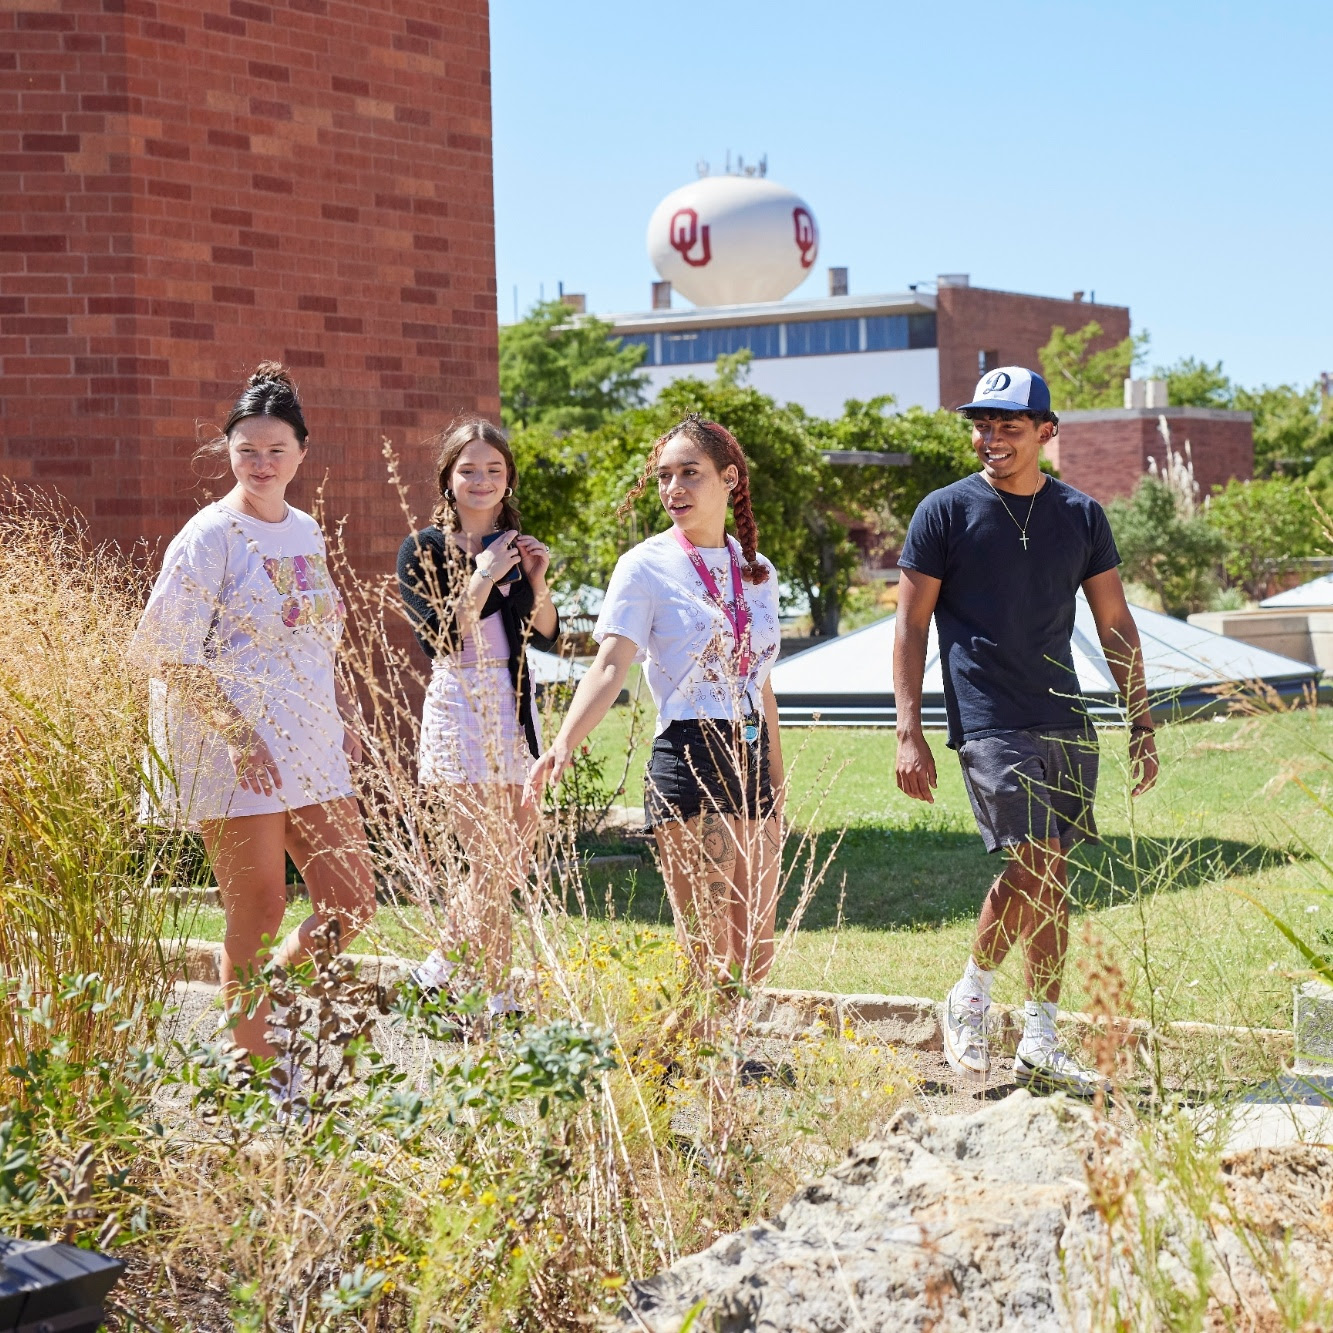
point(1104, 453)
point(979, 328)
point(192, 187)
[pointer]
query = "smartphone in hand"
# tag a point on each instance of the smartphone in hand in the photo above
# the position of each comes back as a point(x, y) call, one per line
point(514, 574)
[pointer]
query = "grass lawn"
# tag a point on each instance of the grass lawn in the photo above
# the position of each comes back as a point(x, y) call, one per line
point(1235, 817)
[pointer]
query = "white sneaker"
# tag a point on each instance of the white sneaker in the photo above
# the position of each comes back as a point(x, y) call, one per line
point(1041, 1066)
point(965, 1033)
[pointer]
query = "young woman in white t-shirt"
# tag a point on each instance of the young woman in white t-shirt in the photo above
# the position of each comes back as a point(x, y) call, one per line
point(700, 609)
point(240, 634)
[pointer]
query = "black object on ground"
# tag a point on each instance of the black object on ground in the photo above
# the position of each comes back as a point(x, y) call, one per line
point(1293, 1089)
point(46, 1285)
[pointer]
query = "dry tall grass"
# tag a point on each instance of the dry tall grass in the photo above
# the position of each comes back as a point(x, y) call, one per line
point(515, 1180)
point(75, 864)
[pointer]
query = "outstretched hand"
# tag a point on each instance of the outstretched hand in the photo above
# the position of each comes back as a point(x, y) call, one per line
point(546, 772)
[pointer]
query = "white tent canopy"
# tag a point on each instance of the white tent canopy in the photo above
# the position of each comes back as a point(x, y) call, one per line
point(550, 668)
point(1306, 597)
point(849, 680)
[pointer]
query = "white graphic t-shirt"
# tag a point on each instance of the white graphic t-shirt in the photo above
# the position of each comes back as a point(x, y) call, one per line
point(254, 603)
point(658, 601)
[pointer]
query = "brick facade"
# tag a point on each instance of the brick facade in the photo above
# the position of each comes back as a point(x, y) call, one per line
point(974, 320)
point(192, 187)
point(1104, 453)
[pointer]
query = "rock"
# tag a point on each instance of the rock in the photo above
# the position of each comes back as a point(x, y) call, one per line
point(991, 1220)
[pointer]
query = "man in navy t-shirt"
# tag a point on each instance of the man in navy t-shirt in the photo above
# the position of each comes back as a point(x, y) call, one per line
point(998, 559)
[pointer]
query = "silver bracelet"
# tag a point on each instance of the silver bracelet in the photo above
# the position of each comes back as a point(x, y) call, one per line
point(486, 573)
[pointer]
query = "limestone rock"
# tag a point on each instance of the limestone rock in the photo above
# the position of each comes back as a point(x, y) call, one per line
point(990, 1220)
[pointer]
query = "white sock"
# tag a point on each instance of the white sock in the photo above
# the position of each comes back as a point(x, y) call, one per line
point(435, 971)
point(1038, 1021)
point(976, 984)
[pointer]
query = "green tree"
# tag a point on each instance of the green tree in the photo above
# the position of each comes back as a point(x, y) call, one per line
point(565, 371)
point(1193, 383)
point(938, 446)
point(1173, 554)
point(1268, 526)
point(1291, 436)
point(1081, 377)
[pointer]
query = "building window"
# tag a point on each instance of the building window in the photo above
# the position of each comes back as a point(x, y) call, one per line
point(886, 333)
point(987, 361)
point(644, 340)
point(702, 345)
point(807, 337)
point(823, 337)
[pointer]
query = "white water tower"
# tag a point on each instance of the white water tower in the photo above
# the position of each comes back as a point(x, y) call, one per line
point(732, 240)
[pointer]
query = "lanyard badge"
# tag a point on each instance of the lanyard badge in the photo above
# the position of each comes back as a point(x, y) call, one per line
point(737, 617)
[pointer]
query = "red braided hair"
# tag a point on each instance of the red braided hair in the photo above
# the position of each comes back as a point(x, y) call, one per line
point(722, 450)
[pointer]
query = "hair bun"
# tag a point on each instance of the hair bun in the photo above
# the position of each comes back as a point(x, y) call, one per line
point(271, 372)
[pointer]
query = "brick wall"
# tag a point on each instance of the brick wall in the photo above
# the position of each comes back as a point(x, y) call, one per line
point(974, 319)
point(189, 188)
point(1104, 453)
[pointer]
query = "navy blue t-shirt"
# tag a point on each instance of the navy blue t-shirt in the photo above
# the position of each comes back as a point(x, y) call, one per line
point(1005, 615)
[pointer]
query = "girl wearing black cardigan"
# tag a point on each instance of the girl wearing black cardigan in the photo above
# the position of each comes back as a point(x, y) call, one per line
point(475, 592)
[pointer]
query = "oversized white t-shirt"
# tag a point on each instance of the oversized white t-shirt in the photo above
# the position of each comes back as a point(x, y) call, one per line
point(255, 604)
point(658, 601)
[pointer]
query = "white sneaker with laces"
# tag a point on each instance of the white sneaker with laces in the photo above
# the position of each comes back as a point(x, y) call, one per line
point(1041, 1066)
point(965, 1032)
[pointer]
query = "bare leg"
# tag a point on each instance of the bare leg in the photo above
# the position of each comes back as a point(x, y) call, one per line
point(485, 820)
point(328, 844)
point(1048, 934)
point(699, 864)
point(1028, 901)
point(754, 905)
point(247, 854)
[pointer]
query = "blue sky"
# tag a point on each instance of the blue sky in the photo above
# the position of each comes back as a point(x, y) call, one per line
point(1173, 157)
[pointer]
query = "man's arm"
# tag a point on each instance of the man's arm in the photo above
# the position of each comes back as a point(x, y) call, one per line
point(1124, 655)
point(917, 595)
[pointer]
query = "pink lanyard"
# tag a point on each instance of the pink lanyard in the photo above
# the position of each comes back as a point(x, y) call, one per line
point(739, 617)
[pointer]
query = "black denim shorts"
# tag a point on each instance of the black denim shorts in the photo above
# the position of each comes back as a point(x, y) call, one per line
point(702, 765)
point(1029, 786)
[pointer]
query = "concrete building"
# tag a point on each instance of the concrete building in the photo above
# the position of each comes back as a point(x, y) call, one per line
point(188, 189)
point(927, 348)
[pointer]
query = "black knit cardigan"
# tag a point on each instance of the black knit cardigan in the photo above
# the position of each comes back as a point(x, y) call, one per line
point(430, 567)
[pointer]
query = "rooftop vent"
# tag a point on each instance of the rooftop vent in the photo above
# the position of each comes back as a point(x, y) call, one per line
point(661, 296)
point(954, 280)
point(837, 282)
point(1145, 393)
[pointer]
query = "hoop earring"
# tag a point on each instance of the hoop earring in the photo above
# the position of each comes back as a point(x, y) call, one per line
point(449, 495)
point(509, 490)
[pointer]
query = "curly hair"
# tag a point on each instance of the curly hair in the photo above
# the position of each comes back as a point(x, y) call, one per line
point(452, 442)
point(722, 450)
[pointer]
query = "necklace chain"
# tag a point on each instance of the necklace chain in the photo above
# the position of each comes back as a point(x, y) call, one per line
point(1023, 526)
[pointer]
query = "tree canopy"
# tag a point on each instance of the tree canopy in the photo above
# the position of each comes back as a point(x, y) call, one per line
point(571, 481)
point(565, 371)
point(1080, 377)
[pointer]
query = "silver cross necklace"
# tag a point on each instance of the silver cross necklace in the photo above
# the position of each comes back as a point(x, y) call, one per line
point(1023, 526)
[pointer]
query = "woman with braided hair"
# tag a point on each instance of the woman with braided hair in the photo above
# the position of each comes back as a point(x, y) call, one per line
point(700, 609)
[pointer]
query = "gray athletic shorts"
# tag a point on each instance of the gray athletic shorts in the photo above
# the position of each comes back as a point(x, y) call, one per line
point(1028, 786)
